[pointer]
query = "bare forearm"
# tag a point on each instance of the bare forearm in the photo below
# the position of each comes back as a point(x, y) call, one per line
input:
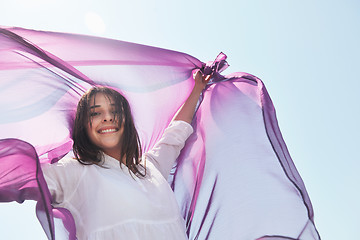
point(186, 112)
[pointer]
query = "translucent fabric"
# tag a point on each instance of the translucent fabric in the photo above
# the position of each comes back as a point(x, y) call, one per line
point(109, 202)
point(234, 178)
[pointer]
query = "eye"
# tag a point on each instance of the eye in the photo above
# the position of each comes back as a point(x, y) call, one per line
point(93, 114)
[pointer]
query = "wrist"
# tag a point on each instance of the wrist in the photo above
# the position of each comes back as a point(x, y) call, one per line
point(198, 88)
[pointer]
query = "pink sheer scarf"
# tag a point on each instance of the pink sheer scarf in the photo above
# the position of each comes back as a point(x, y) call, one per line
point(233, 180)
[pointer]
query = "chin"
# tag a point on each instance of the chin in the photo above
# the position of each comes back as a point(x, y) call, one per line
point(110, 147)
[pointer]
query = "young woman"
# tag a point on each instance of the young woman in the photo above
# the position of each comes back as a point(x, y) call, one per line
point(112, 191)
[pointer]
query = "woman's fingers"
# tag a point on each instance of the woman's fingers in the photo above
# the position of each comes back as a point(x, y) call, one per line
point(207, 78)
point(200, 78)
point(197, 74)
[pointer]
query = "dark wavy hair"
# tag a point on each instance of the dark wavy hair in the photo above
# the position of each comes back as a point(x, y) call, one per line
point(88, 153)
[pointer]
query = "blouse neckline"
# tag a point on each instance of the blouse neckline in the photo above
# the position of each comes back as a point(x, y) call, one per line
point(112, 162)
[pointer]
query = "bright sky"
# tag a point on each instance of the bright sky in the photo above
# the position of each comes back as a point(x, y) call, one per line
point(306, 52)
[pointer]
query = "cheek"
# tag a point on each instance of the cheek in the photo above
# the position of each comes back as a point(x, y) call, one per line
point(90, 129)
point(122, 130)
point(93, 124)
point(89, 132)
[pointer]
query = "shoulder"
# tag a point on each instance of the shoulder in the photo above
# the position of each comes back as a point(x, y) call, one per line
point(66, 165)
point(69, 162)
point(152, 167)
point(63, 178)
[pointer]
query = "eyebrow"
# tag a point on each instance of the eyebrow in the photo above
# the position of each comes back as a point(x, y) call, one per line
point(95, 106)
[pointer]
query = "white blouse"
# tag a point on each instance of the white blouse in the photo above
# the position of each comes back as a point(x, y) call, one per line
point(110, 203)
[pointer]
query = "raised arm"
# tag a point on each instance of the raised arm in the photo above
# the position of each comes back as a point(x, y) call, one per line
point(186, 112)
point(167, 149)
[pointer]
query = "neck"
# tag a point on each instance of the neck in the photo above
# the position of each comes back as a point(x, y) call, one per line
point(116, 155)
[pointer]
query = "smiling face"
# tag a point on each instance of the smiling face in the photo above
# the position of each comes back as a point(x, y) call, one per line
point(104, 128)
point(104, 124)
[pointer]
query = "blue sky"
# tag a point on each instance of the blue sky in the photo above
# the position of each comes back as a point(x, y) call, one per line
point(306, 52)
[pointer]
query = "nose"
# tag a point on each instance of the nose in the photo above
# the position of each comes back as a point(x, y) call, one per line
point(108, 117)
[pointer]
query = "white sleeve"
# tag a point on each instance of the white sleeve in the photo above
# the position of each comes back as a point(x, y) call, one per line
point(167, 149)
point(62, 178)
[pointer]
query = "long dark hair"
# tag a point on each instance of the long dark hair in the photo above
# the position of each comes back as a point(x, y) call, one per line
point(88, 153)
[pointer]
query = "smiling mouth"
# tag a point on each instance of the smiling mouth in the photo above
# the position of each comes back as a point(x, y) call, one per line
point(109, 130)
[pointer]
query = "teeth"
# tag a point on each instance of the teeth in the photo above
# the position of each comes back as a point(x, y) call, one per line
point(108, 130)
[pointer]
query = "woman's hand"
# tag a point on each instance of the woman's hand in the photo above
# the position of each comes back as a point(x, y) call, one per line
point(200, 80)
point(186, 112)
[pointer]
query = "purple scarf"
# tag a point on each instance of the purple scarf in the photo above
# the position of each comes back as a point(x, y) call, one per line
point(233, 180)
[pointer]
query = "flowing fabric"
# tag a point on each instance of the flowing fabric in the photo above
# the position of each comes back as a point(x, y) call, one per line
point(233, 180)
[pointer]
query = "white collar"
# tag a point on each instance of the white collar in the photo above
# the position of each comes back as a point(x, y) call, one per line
point(111, 162)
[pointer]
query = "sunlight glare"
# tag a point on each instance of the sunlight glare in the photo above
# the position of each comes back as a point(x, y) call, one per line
point(95, 23)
